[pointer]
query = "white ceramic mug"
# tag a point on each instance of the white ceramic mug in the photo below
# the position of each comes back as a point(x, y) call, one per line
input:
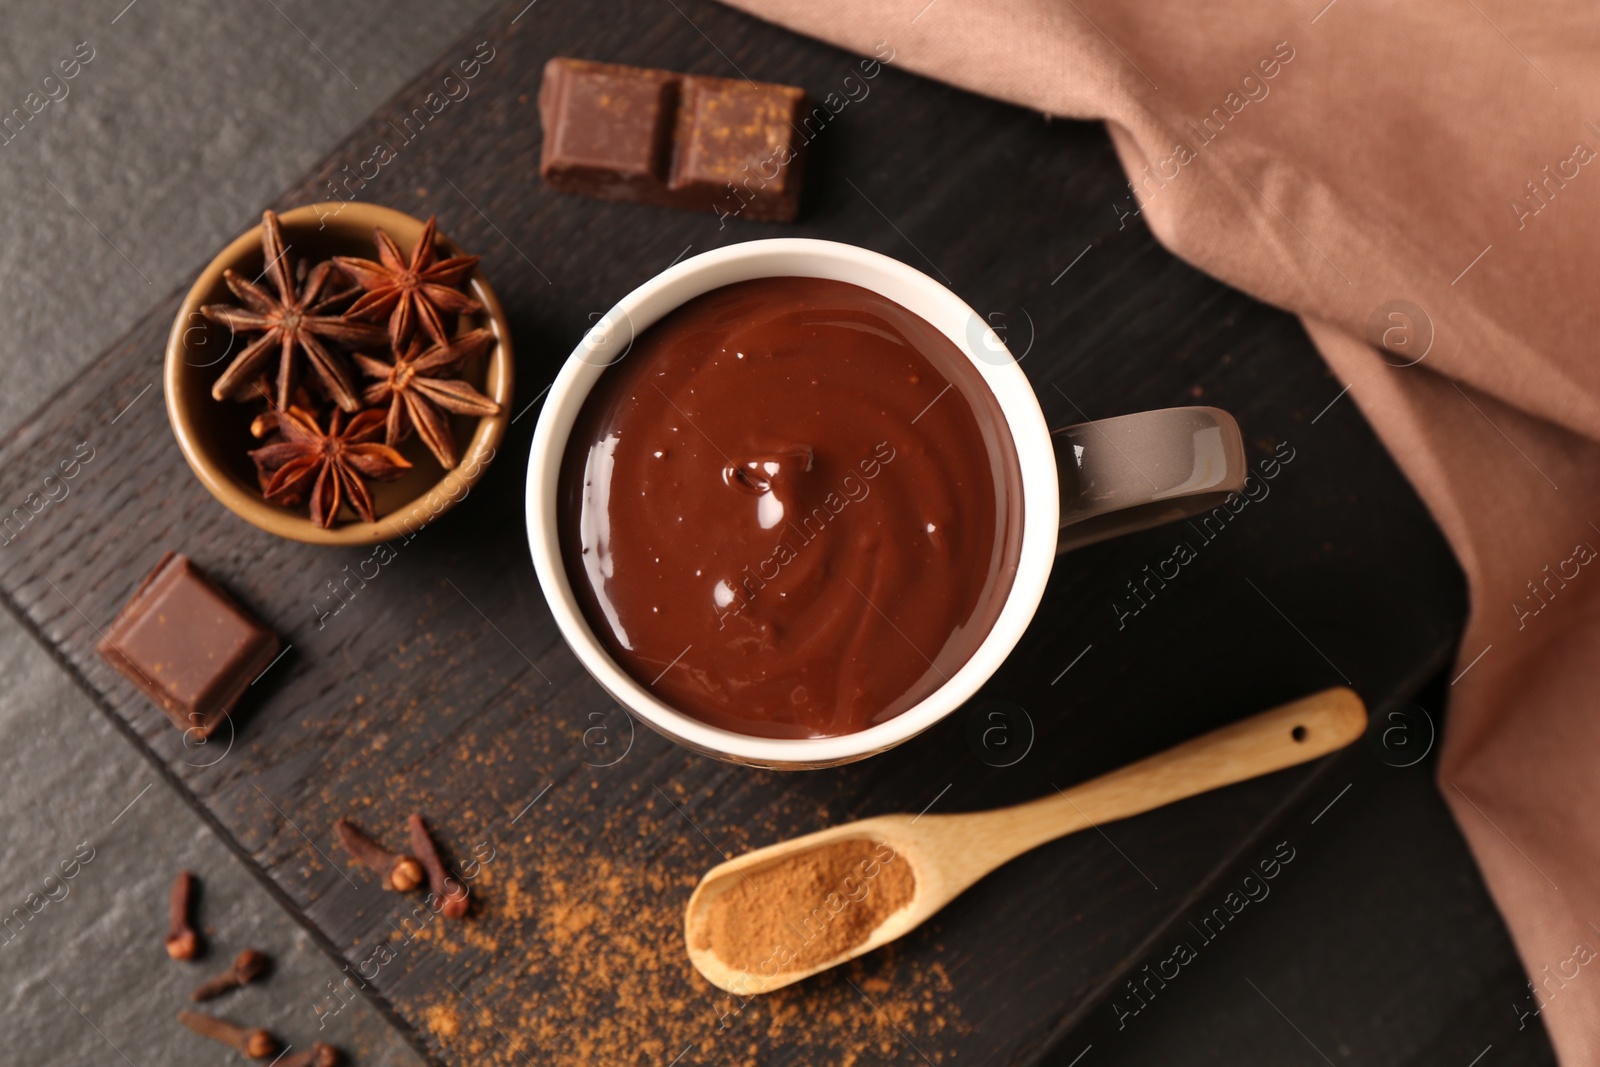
point(1114, 476)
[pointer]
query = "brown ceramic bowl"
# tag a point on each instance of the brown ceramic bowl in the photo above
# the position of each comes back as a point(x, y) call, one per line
point(215, 434)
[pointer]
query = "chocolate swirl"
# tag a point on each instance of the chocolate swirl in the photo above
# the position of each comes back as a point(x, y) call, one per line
point(793, 510)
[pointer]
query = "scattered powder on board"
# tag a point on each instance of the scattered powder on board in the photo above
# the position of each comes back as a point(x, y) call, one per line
point(593, 969)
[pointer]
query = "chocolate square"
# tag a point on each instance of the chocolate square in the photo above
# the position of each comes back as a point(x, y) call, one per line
point(188, 645)
point(720, 145)
point(739, 134)
point(607, 128)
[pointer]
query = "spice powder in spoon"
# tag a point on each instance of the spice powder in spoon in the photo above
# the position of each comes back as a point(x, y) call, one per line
point(809, 907)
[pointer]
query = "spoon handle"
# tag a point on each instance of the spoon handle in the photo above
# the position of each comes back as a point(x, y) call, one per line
point(1294, 733)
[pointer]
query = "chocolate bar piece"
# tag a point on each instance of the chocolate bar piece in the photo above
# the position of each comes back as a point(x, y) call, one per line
point(188, 645)
point(681, 140)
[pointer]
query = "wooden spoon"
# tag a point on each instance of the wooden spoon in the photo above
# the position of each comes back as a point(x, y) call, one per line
point(948, 853)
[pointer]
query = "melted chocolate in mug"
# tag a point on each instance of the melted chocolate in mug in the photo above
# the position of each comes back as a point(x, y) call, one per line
point(793, 509)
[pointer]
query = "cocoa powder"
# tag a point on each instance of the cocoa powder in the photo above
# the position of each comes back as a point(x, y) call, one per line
point(809, 907)
point(588, 926)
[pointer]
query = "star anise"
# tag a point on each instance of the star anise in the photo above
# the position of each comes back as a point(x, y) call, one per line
point(332, 465)
point(291, 324)
point(421, 390)
point(412, 292)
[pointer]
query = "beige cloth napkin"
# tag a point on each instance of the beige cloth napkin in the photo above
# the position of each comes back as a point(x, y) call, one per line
point(1425, 175)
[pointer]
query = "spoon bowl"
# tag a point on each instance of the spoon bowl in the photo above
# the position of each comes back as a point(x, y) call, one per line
point(948, 853)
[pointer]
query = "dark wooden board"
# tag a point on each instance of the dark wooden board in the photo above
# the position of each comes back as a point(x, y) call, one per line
point(442, 685)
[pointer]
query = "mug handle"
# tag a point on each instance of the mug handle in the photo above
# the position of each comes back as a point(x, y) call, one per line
point(1133, 472)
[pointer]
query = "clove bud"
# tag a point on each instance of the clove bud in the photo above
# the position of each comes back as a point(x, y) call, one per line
point(254, 1044)
point(453, 902)
point(247, 967)
point(318, 1055)
point(400, 872)
point(182, 940)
